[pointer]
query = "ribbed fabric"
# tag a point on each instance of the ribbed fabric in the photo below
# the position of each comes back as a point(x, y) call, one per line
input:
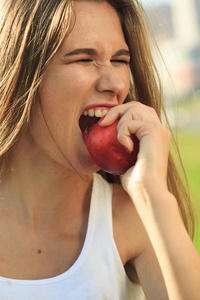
point(98, 273)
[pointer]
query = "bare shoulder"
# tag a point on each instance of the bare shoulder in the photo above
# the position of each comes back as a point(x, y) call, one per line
point(129, 233)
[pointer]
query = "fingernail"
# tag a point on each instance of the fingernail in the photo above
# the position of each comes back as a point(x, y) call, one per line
point(102, 118)
point(127, 150)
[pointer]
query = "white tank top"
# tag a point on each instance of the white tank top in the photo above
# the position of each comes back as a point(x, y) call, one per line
point(98, 273)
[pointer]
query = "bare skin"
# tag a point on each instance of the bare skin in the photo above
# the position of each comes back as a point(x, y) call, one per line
point(46, 185)
point(45, 203)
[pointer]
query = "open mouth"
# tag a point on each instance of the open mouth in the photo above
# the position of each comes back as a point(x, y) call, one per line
point(90, 117)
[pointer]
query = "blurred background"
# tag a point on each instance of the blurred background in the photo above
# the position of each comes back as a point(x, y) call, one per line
point(176, 26)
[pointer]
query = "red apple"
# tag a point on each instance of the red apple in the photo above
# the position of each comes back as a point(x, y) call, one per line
point(106, 150)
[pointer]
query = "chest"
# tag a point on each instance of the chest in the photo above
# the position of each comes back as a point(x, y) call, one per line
point(28, 256)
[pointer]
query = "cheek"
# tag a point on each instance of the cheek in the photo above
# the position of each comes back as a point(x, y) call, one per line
point(126, 75)
point(53, 86)
point(128, 79)
point(61, 94)
point(66, 85)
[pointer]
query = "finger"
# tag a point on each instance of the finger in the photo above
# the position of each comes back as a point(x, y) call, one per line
point(114, 114)
point(126, 130)
point(153, 131)
point(110, 117)
point(130, 111)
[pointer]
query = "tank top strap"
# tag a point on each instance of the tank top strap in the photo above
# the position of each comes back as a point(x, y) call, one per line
point(101, 204)
point(103, 245)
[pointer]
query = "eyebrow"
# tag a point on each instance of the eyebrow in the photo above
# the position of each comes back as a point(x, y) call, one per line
point(93, 52)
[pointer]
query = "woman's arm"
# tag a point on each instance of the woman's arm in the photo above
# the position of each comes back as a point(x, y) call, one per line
point(146, 184)
point(176, 254)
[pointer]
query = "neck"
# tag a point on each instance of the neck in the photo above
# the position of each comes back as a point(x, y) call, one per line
point(39, 192)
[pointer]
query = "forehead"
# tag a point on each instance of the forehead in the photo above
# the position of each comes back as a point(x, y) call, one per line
point(95, 22)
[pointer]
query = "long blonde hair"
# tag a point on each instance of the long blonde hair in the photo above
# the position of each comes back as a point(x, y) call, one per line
point(31, 32)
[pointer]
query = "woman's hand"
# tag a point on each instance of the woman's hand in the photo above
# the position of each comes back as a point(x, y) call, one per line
point(146, 184)
point(150, 170)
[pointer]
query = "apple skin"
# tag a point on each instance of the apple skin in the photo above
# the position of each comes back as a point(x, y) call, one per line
point(106, 150)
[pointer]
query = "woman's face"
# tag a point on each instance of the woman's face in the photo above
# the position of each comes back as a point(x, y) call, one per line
point(89, 73)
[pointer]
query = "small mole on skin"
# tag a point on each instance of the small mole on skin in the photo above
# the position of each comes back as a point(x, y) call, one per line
point(39, 251)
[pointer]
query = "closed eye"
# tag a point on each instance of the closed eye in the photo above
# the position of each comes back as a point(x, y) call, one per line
point(84, 60)
point(115, 61)
point(120, 61)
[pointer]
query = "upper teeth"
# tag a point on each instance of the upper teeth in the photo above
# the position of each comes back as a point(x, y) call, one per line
point(97, 113)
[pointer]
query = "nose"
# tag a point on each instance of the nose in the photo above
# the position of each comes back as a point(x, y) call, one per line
point(112, 82)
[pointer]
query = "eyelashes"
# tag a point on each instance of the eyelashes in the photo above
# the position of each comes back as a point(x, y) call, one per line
point(113, 61)
point(120, 61)
point(84, 60)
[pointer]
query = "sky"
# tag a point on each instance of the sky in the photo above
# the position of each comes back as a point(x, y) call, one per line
point(150, 2)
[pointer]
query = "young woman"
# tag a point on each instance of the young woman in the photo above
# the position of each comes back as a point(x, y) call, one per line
point(65, 232)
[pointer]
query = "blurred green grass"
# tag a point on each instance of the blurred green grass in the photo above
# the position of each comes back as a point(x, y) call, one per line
point(188, 138)
point(189, 146)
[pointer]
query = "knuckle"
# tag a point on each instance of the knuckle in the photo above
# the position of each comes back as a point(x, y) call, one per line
point(152, 110)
